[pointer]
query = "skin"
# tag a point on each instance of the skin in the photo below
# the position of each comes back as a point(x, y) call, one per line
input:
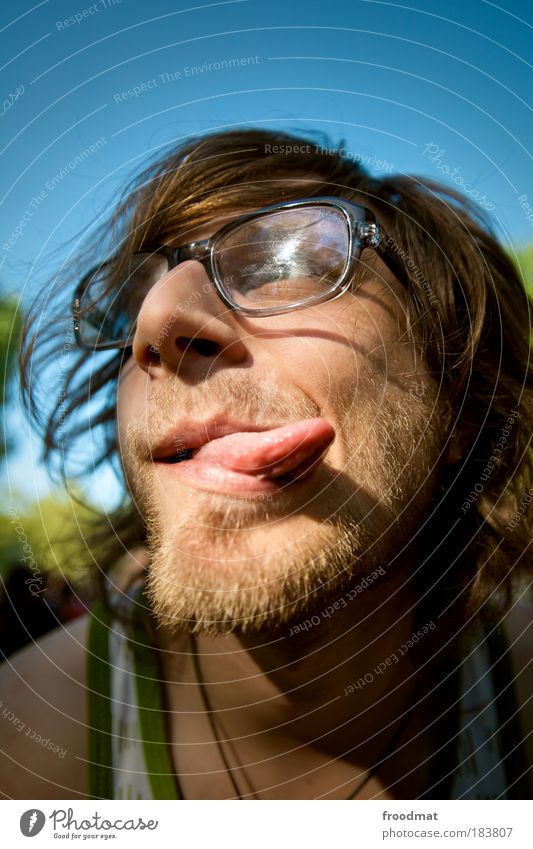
point(353, 346)
point(279, 699)
point(347, 360)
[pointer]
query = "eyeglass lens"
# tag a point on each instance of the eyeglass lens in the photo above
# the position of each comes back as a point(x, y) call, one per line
point(283, 258)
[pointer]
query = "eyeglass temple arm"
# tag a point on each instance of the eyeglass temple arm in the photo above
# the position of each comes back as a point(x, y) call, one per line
point(373, 236)
point(392, 262)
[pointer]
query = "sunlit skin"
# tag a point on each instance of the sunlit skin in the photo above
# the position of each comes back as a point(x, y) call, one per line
point(350, 361)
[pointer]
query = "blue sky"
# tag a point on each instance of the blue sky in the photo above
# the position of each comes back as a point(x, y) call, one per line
point(91, 89)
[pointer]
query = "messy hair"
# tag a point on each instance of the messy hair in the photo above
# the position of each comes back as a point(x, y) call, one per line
point(465, 299)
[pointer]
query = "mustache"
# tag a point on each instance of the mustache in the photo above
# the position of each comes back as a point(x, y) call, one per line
point(253, 400)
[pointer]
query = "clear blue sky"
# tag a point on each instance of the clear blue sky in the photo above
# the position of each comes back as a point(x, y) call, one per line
point(390, 79)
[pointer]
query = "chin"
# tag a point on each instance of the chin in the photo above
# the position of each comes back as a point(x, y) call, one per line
point(217, 579)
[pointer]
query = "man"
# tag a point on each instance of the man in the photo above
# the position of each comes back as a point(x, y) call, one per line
point(319, 390)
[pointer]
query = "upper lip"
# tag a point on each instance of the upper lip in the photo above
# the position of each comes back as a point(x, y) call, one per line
point(190, 434)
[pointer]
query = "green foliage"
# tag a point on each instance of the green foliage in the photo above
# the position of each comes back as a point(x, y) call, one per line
point(52, 534)
point(525, 264)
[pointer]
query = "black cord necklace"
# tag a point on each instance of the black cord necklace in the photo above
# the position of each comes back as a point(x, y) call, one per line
point(387, 752)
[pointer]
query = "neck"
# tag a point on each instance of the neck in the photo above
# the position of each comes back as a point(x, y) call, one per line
point(339, 683)
point(311, 666)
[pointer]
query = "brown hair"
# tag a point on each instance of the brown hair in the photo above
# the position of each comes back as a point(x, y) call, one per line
point(465, 299)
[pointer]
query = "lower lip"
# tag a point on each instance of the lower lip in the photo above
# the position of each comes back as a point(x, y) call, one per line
point(209, 476)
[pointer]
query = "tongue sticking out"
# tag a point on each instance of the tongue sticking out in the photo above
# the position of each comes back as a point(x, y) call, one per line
point(292, 449)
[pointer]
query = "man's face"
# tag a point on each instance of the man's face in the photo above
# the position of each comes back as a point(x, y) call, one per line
point(254, 549)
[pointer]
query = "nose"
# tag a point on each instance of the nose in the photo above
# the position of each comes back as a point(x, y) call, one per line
point(183, 323)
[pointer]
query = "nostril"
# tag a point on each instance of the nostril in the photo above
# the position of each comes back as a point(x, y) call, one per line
point(205, 347)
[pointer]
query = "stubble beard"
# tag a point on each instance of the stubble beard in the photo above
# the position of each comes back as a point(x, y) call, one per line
point(223, 565)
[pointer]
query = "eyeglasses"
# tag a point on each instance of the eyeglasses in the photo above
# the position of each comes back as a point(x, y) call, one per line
point(285, 257)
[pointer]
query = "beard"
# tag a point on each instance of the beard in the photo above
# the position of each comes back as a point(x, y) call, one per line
point(223, 564)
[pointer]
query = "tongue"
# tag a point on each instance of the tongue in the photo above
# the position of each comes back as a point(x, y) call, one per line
point(294, 449)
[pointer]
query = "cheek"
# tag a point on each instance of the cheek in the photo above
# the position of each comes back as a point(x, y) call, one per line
point(329, 354)
point(130, 396)
point(317, 366)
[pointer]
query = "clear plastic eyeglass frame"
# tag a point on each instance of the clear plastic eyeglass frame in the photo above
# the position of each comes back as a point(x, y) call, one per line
point(363, 232)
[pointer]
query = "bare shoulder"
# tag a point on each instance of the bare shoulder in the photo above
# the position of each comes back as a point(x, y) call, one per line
point(518, 626)
point(43, 717)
